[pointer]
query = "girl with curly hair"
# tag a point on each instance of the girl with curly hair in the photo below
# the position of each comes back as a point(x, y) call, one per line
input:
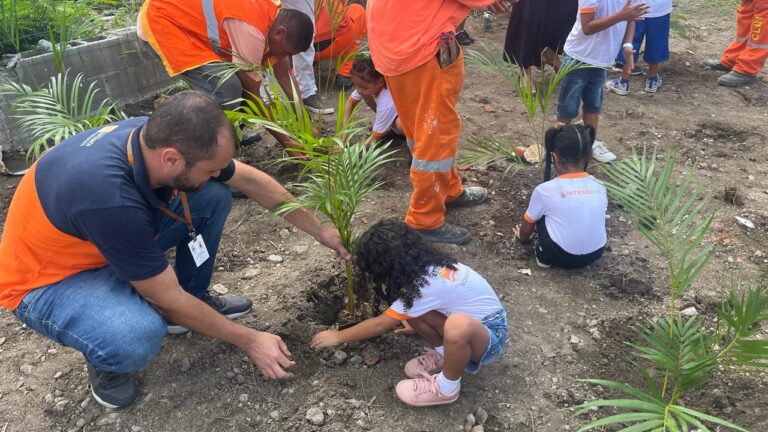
point(370, 87)
point(447, 303)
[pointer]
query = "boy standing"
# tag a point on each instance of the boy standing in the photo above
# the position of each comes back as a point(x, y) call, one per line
point(654, 28)
point(600, 28)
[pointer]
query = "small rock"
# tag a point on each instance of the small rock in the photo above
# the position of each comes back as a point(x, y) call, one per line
point(481, 415)
point(275, 258)
point(478, 428)
point(229, 375)
point(136, 428)
point(542, 310)
point(596, 335)
point(489, 109)
point(80, 422)
point(356, 360)
point(48, 398)
point(689, 312)
point(240, 379)
point(221, 289)
point(354, 403)
point(469, 422)
point(315, 416)
point(2, 340)
point(575, 340)
point(284, 233)
point(371, 359)
point(85, 402)
point(61, 405)
point(250, 273)
point(58, 375)
point(275, 415)
point(593, 322)
point(243, 398)
point(299, 250)
point(185, 365)
point(525, 271)
point(26, 369)
point(339, 357)
point(107, 419)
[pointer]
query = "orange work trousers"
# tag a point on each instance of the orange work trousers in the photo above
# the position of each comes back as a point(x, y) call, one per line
point(748, 52)
point(346, 40)
point(425, 99)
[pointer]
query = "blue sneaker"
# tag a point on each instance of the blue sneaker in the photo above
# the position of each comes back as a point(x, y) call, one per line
point(652, 84)
point(618, 86)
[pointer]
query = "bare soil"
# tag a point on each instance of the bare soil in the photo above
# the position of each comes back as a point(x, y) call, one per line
point(201, 384)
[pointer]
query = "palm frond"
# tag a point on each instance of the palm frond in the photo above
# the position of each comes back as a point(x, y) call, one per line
point(487, 151)
point(740, 319)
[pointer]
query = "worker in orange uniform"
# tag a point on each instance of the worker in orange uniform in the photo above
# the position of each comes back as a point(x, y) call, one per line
point(195, 39)
point(413, 45)
point(746, 55)
point(339, 38)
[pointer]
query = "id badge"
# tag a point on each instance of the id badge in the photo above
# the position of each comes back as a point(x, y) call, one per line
point(198, 250)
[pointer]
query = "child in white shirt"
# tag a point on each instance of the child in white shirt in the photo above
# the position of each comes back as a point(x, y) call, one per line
point(596, 37)
point(568, 212)
point(370, 86)
point(447, 303)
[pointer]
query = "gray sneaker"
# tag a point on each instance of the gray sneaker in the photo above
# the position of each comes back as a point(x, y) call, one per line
point(312, 103)
point(716, 65)
point(736, 79)
point(113, 390)
point(471, 196)
point(230, 306)
point(446, 234)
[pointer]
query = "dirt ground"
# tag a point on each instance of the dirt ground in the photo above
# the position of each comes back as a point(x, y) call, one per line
point(201, 384)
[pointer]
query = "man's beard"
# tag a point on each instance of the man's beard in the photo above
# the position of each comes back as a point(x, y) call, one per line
point(182, 183)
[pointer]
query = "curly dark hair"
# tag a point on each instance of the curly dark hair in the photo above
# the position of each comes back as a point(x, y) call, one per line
point(394, 260)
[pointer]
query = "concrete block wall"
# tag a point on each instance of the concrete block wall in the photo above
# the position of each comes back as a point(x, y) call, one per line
point(123, 67)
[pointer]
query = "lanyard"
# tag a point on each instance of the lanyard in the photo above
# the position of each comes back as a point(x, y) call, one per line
point(187, 219)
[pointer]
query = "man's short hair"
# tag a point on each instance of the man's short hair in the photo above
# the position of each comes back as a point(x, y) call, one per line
point(300, 31)
point(190, 122)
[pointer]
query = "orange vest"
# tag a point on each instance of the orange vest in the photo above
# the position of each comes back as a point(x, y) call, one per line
point(190, 33)
point(34, 253)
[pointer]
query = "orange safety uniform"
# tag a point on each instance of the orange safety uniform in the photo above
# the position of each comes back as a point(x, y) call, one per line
point(190, 34)
point(748, 52)
point(345, 39)
point(403, 36)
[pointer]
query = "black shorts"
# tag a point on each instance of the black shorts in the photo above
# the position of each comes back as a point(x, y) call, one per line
point(550, 253)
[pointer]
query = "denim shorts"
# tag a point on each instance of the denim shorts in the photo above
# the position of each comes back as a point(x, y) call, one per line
point(587, 85)
point(496, 324)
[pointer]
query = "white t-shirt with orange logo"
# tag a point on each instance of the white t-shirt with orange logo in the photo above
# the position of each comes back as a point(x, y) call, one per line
point(451, 291)
point(575, 206)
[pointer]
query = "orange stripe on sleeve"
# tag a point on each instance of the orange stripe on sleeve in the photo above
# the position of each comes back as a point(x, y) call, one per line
point(588, 10)
point(528, 218)
point(396, 315)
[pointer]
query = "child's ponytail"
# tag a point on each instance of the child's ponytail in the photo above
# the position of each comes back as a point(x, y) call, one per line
point(549, 147)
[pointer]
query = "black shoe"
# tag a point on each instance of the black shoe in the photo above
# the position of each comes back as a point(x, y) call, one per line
point(471, 196)
point(716, 65)
point(250, 139)
point(113, 390)
point(619, 67)
point(344, 82)
point(312, 103)
point(230, 306)
point(463, 38)
point(446, 234)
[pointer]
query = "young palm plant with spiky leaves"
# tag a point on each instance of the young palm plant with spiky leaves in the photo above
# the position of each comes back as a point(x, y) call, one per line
point(338, 171)
point(673, 216)
point(535, 96)
point(58, 110)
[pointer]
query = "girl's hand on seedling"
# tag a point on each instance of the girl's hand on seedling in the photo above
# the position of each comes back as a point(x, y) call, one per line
point(406, 329)
point(325, 339)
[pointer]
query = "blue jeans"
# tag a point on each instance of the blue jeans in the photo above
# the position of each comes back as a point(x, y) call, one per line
point(496, 324)
point(587, 85)
point(103, 317)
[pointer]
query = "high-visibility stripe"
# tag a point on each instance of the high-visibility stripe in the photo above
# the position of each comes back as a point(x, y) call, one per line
point(211, 25)
point(444, 165)
point(410, 143)
point(757, 45)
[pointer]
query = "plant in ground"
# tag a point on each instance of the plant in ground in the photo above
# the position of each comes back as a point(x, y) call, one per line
point(58, 110)
point(338, 171)
point(676, 354)
point(535, 95)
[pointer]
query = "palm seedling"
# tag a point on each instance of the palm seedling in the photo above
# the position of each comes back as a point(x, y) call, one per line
point(338, 171)
point(58, 110)
point(682, 354)
point(535, 97)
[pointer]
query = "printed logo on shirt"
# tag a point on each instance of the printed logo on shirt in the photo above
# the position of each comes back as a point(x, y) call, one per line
point(583, 192)
point(98, 135)
point(447, 274)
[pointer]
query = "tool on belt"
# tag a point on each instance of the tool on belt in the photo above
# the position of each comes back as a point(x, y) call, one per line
point(448, 51)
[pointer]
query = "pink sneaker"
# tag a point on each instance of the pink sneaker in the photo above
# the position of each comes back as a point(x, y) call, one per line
point(429, 363)
point(423, 392)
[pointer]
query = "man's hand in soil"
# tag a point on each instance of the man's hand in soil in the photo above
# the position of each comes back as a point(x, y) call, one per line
point(330, 238)
point(270, 354)
point(325, 339)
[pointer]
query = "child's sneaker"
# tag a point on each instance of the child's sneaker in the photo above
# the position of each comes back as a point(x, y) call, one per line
point(618, 86)
point(424, 391)
point(601, 153)
point(431, 362)
point(619, 67)
point(652, 84)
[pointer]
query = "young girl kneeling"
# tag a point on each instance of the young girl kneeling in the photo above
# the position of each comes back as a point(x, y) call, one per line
point(568, 212)
point(451, 306)
point(370, 86)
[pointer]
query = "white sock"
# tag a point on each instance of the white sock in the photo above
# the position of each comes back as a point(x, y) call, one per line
point(440, 350)
point(447, 386)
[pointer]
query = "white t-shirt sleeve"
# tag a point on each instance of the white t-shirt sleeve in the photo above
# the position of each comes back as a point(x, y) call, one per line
point(356, 96)
point(537, 207)
point(385, 113)
point(589, 5)
point(420, 306)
